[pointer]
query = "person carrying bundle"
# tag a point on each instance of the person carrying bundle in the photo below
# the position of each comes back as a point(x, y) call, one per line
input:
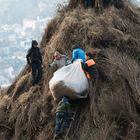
point(78, 53)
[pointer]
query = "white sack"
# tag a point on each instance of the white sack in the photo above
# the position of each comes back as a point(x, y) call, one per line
point(69, 80)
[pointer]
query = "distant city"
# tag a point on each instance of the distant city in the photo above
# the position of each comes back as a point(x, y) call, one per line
point(21, 21)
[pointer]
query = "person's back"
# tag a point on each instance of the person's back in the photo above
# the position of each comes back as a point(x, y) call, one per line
point(78, 53)
point(90, 67)
point(35, 54)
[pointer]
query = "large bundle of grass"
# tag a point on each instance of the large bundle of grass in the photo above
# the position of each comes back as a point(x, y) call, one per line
point(113, 110)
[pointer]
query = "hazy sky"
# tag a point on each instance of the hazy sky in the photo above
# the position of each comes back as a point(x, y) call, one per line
point(136, 2)
point(13, 16)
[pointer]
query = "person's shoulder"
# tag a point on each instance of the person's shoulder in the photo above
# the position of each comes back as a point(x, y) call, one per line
point(78, 49)
point(63, 55)
point(37, 48)
point(30, 49)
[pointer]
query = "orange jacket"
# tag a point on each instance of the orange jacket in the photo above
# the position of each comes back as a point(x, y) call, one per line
point(90, 69)
point(89, 63)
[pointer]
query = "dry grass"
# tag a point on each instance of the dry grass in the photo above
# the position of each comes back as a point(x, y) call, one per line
point(112, 112)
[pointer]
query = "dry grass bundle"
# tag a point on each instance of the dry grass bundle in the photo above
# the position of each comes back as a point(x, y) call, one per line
point(20, 124)
point(22, 85)
point(4, 106)
point(52, 27)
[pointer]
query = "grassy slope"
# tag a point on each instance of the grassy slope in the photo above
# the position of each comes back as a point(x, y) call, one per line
point(113, 110)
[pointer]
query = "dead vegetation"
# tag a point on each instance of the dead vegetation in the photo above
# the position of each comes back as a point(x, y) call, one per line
point(113, 110)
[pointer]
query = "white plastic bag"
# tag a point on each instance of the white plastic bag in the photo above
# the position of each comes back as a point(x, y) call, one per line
point(70, 81)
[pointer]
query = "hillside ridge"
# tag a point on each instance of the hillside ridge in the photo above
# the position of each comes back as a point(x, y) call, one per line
point(113, 109)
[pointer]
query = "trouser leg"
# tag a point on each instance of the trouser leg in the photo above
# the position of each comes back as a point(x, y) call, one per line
point(67, 120)
point(90, 3)
point(39, 73)
point(63, 125)
point(34, 73)
point(60, 122)
point(100, 6)
point(86, 3)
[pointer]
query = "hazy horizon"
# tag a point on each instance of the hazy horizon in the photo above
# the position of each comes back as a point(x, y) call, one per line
point(21, 21)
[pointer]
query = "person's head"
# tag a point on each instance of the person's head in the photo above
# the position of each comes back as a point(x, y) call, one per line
point(34, 43)
point(65, 99)
point(57, 55)
point(89, 55)
point(75, 46)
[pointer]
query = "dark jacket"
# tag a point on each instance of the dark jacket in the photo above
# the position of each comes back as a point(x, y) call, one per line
point(34, 56)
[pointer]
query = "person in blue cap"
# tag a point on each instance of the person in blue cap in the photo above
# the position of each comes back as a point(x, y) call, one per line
point(78, 53)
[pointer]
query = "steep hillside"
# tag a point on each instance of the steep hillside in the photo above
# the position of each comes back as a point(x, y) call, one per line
point(113, 110)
